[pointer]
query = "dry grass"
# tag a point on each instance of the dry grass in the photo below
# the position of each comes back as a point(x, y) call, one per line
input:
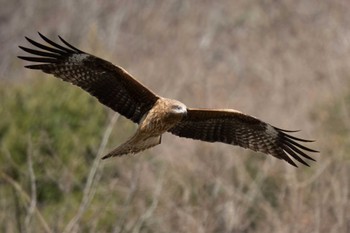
point(286, 62)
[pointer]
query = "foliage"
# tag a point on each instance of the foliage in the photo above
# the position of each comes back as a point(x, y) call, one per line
point(59, 126)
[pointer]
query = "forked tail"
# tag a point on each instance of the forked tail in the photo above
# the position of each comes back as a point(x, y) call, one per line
point(134, 145)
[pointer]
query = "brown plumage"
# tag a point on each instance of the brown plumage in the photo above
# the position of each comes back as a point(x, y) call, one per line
point(115, 88)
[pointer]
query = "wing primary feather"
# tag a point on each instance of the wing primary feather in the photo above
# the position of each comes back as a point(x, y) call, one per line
point(44, 47)
point(288, 159)
point(110, 84)
point(299, 145)
point(294, 148)
point(35, 67)
point(39, 59)
point(40, 53)
point(242, 131)
point(70, 46)
point(294, 155)
point(55, 44)
point(295, 138)
point(285, 130)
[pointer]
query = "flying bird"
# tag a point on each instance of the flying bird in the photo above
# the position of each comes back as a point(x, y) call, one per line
point(117, 89)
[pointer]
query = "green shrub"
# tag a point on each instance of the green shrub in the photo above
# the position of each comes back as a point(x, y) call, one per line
point(60, 126)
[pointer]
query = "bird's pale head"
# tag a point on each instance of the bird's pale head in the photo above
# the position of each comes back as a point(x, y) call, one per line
point(178, 108)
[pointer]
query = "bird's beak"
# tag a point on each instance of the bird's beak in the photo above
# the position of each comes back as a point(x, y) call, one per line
point(185, 113)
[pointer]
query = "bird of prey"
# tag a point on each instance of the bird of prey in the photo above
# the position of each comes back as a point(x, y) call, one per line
point(116, 88)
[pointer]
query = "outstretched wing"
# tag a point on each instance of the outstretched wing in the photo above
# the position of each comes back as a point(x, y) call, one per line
point(236, 128)
point(110, 84)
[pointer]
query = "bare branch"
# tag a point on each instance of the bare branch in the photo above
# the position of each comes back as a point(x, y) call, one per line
point(134, 184)
point(26, 198)
point(89, 193)
point(32, 205)
point(149, 212)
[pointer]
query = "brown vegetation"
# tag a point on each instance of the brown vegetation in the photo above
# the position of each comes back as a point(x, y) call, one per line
point(286, 62)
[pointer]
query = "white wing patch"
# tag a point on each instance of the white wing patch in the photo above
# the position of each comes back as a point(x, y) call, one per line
point(78, 58)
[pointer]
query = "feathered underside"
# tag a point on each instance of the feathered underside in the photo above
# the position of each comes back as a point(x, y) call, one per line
point(110, 84)
point(235, 128)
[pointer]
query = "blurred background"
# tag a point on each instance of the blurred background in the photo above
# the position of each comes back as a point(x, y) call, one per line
point(286, 62)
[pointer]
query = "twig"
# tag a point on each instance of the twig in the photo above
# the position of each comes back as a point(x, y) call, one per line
point(134, 184)
point(88, 193)
point(149, 212)
point(32, 205)
point(26, 197)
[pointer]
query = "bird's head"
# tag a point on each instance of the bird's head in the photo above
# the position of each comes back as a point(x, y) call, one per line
point(178, 108)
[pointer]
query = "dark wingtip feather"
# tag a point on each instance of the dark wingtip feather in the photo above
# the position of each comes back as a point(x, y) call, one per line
point(40, 53)
point(46, 54)
point(294, 155)
point(285, 130)
point(69, 45)
point(292, 147)
point(295, 149)
point(297, 139)
point(38, 59)
point(288, 140)
point(47, 48)
point(34, 67)
point(47, 40)
point(289, 160)
point(106, 156)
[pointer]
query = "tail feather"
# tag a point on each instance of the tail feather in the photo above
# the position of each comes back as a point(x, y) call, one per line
point(133, 146)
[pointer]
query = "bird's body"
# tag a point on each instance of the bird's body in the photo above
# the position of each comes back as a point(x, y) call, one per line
point(165, 114)
point(155, 115)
